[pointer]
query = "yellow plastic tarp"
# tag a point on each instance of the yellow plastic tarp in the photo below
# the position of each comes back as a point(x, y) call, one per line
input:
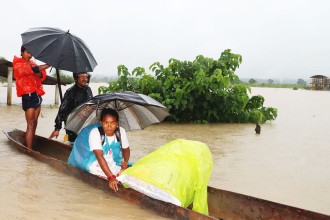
point(181, 168)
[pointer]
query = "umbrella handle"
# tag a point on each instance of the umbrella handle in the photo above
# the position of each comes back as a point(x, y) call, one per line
point(121, 148)
point(59, 84)
point(97, 107)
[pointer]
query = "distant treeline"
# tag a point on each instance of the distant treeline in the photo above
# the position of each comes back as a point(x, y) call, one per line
point(273, 81)
point(95, 78)
point(66, 76)
point(270, 83)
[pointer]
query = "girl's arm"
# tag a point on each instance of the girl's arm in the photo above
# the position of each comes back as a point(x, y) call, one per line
point(104, 166)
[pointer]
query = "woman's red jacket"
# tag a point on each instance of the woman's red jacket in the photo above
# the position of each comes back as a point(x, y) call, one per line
point(26, 80)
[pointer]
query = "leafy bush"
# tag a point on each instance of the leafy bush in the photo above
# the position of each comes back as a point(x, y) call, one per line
point(204, 90)
point(63, 77)
point(3, 79)
point(301, 82)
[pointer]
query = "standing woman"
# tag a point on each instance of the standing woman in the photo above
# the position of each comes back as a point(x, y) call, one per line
point(28, 86)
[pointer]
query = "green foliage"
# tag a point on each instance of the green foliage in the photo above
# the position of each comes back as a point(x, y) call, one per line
point(301, 82)
point(263, 85)
point(306, 87)
point(3, 79)
point(204, 90)
point(63, 77)
point(252, 81)
point(295, 87)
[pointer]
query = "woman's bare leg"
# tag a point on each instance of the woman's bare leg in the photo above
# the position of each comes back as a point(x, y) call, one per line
point(36, 116)
point(31, 116)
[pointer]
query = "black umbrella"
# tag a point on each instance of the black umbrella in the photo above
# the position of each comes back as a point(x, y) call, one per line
point(60, 49)
point(136, 111)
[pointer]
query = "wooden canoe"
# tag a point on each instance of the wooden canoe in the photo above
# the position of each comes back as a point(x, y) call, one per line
point(222, 204)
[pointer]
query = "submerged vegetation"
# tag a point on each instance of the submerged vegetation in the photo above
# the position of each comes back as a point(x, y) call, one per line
point(202, 91)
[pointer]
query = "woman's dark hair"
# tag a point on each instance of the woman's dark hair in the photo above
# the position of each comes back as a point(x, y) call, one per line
point(109, 111)
point(23, 49)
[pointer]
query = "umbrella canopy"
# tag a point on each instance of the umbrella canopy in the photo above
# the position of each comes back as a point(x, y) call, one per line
point(136, 111)
point(59, 49)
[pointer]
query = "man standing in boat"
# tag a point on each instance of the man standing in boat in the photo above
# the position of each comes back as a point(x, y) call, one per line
point(78, 93)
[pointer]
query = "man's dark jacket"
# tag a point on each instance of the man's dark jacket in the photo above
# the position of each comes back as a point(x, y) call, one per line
point(73, 97)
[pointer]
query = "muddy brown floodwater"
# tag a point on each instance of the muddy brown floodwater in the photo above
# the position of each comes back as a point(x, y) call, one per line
point(287, 163)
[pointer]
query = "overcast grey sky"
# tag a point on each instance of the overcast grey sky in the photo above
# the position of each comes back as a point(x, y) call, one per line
point(283, 39)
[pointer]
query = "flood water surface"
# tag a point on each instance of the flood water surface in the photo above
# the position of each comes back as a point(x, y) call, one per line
point(287, 163)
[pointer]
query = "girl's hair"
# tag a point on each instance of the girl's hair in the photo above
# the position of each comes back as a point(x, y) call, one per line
point(109, 111)
point(22, 49)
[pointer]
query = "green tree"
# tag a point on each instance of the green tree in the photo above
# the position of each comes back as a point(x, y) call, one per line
point(3, 79)
point(63, 77)
point(270, 81)
point(301, 82)
point(202, 90)
point(252, 81)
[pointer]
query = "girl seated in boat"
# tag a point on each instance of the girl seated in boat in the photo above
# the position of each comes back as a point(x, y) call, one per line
point(97, 148)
